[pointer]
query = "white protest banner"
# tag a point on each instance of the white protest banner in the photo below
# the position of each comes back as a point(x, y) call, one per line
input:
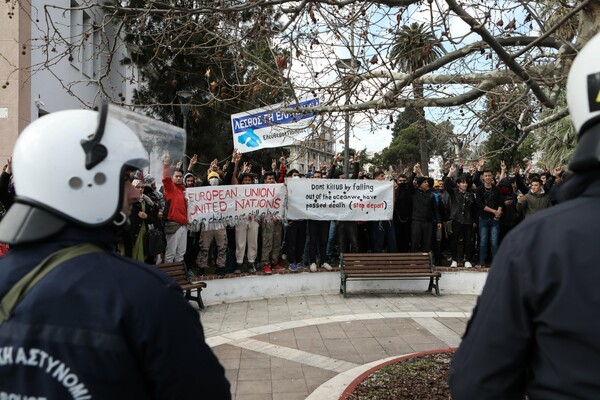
point(267, 127)
point(340, 199)
point(215, 207)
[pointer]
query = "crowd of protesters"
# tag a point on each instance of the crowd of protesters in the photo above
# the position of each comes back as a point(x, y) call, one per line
point(460, 216)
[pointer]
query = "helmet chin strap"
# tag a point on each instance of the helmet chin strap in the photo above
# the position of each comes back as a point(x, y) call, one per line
point(123, 219)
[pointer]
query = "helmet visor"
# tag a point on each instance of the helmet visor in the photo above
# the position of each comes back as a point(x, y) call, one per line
point(156, 136)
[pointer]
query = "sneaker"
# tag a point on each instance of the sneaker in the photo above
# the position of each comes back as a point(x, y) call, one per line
point(190, 274)
point(313, 267)
point(454, 264)
point(478, 266)
point(251, 268)
point(293, 268)
point(267, 269)
point(277, 267)
point(327, 267)
point(221, 272)
point(301, 266)
point(468, 264)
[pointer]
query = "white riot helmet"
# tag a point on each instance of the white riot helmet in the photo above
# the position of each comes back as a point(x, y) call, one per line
point(69, 167)
point(583, 98)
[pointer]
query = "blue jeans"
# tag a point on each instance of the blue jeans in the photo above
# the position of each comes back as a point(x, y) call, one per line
point(489, 229)
point(331, 240)
point(383, 236)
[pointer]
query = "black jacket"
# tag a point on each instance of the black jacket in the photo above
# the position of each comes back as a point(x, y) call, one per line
point(102, 326)
point(462, 205)
point(487, 197)
point(535, 328)
point(424, 207)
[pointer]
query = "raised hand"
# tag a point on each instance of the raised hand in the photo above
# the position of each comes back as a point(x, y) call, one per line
point(236, 156)
point(555, 172)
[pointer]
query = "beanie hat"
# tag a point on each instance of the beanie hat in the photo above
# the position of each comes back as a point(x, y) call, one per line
point(504, 182)
point(148, 179)
point(420, 180)
point(213, 174)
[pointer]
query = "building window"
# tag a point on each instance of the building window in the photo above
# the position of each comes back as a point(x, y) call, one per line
point(87, 45)
point(84, 41)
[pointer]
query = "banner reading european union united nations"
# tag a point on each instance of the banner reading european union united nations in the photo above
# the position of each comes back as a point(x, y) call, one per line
point(340, 199)
point(215, 207)
point(268, 127)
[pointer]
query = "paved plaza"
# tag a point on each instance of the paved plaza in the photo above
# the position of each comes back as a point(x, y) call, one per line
point(313, 346)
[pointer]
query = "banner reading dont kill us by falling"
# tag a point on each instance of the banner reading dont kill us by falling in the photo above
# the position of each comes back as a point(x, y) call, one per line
point(340, 199)
point(268, 127)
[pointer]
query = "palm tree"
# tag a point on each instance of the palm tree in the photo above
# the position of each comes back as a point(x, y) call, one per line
point(414, 47)
point(556, 143)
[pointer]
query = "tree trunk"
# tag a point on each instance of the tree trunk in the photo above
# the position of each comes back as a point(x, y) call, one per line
point(423, 133)
point(589, 22)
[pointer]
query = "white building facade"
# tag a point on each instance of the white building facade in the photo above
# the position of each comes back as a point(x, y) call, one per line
point(57, 55)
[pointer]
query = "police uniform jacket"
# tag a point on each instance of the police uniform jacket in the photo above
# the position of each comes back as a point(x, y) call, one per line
point(535, 327)
point(101, 326)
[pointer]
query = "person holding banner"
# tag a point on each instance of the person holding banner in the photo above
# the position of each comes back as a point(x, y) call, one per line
point(271, 235)
point(382, 233)
point(246, 235)
point(218, 234)
point(347, 231)
point(295, 236)
point(318, 234)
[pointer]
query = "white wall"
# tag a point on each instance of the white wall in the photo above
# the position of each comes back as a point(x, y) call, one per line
point(63, 84)
point(257, 287)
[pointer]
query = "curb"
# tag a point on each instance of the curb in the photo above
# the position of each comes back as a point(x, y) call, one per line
point(350, 388)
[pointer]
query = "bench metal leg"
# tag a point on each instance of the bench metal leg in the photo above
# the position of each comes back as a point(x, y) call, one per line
point(435, 285)
point(197, 298)
point(343, 287)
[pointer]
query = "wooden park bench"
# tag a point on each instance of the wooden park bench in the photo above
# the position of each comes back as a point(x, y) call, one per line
point(387, 266)
point(177, 271)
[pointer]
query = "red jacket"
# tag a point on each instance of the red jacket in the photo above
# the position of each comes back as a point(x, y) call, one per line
point(174, 195)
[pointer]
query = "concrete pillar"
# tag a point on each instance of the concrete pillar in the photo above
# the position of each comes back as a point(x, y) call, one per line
point(15, 61)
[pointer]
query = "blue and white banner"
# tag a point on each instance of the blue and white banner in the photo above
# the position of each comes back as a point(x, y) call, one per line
point(268, 127)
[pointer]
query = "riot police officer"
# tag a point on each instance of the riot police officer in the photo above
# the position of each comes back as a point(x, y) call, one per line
point(534, 329)
point(76, 319)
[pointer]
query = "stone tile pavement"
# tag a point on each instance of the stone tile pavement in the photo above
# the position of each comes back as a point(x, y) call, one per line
point(312, 347)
